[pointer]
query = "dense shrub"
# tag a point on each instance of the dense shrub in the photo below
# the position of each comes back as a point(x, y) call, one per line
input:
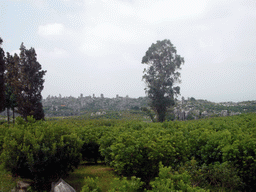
point(139, 152)
point(217, 144)
point(207, 145)
point(7, 183)
point(91, 185)
point(221, 147)
point(218, 176)
point(106, 141)
point(90, 152)
point(118, 185)
point(90, 137)
point(3, 129)
point(40, 151)
point(242, 154)
point(125, 185)
point(169, 180)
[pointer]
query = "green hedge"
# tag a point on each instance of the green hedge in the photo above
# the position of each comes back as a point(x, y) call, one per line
point(133, 148)
point(40, 151)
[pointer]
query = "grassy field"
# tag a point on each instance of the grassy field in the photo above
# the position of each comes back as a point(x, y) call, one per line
point(104, 173)
point(7, 182)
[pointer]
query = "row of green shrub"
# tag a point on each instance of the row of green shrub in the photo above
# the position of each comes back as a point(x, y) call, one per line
point(220, 146)
point(185, 179)
point(166, 182)
point(136, 149)
point(39, 151)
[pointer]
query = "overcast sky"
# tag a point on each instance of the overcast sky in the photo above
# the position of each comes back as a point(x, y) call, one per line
point(96, 46)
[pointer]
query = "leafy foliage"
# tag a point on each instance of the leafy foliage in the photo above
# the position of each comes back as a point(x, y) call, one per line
point(30, 85)
point(161, 76)
point(170, 180)
point(11, 81)
point(7, 183)
point(218, 145)
point(118, 185)
point(33, 149)
point(222, 176)
point(22, 83)
point(215, 153)
point(91, 185)
point(2, 86)
point(125, 185)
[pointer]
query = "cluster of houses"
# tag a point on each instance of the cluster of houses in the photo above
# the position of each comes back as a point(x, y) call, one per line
point(185, 109)
point(67, 106)
point(195, 109)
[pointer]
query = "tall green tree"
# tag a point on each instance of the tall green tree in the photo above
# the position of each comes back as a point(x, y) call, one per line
point(161, 76)
point(11, 81)
point(2, 70)
point(30, 86)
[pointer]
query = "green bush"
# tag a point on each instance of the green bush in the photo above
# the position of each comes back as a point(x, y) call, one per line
point(224, 148)
point(90, 152)
point(218, 176)
point(90, 137)
point(223, 176)
point(40, 151)
point(118, 185)
point(242, 155)
point(3, 129)
point(169, 180)
point(106, 141)
point(7, 183)
point(139, 152)
point(206, 145)
point(91, 185)
point(125, 185)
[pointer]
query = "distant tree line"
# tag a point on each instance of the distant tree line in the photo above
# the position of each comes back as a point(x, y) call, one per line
point(21, 83)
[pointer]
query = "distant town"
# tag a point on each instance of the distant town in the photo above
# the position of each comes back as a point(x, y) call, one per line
point(185, 109)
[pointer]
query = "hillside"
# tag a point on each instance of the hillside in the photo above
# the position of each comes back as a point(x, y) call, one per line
point(189, 108)
point(122, 107)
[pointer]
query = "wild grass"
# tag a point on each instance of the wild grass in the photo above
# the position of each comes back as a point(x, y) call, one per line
point(76, 179)
point(104, 173)
point(7, 182)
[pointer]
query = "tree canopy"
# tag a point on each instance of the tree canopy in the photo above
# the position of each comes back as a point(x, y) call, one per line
point(2, 69)
point(161, 76)
point(11, 81)
point(28, 89)
point(21, 83)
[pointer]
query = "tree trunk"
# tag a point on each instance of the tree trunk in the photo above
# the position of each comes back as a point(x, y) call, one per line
point(161, 114)
point(8, 115)
point(13, 116)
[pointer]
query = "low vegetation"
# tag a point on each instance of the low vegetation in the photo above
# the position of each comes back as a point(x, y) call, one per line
point(199, 155)
point(7, 182)
point(102, 173)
